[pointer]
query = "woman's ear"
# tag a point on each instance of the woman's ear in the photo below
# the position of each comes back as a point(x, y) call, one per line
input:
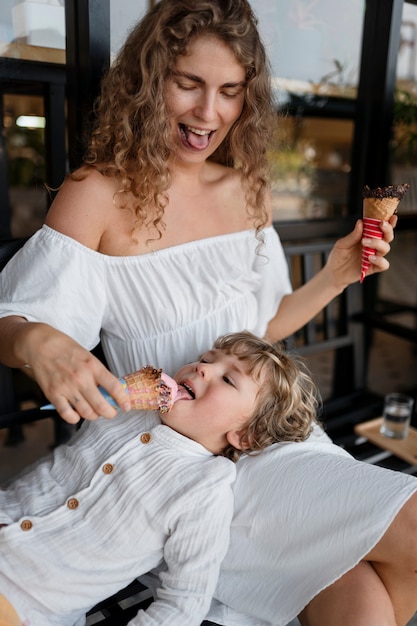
point(238, 439)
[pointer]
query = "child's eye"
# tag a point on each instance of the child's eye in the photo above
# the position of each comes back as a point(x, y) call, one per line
point(228, 381)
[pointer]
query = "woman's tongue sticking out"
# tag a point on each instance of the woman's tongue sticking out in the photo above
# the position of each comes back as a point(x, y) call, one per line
point(196, 138)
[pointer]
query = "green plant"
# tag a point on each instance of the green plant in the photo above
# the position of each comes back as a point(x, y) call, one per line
point(404, 143)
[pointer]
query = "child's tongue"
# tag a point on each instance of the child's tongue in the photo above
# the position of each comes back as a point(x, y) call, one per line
point(182, 394)
point(197, 141)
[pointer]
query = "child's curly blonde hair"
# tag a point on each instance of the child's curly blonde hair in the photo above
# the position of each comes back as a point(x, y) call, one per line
point(287, 400)
point(131, 137)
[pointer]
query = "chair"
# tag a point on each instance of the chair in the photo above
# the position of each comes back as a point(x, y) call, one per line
point(335, 337)
point(331, 331)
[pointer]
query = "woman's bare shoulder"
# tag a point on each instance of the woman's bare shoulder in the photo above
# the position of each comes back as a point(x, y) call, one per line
point(83, 207)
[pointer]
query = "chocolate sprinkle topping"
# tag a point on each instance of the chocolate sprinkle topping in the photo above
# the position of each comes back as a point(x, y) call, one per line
point(392, 191)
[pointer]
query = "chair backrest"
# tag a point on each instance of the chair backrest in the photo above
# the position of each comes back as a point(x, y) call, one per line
point(332, 329)
point(333, 343)
point(8, 248)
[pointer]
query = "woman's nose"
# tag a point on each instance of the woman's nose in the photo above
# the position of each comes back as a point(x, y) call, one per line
point(206, 107)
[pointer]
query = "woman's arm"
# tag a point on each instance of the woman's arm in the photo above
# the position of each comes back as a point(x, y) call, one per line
point(342, 269)
point(67, 373)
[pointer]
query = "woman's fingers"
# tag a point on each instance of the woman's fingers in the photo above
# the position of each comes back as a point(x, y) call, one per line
point(388, 228)
point(79, 396)
point(378, 261)
point(79, 407)
point(380, 246)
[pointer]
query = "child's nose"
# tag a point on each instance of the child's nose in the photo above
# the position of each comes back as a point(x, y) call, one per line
point(204, 369)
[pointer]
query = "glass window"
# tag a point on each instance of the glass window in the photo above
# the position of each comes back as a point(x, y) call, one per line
point(314, 45)
point(404, 142)
point(24, 134)
point(123, 16)
point(33, 30)
point(315, 49)
point(310, 167)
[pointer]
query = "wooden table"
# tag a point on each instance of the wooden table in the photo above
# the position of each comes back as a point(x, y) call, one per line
point(405, 449)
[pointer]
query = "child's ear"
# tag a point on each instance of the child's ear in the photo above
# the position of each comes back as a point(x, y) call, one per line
point(238, 439)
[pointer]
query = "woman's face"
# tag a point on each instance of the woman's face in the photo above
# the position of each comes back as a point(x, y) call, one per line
point(205, 96)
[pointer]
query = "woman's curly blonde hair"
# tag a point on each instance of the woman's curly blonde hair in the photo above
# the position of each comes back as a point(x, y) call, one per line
point(287, 401)
point(131, 134)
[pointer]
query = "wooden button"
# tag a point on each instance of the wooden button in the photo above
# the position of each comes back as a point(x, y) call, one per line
point(145, 438)
point(108, 468)
point(72, 503)
point(26, 524)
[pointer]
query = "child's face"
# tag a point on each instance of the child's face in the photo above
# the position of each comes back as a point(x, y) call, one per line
point(217, 398)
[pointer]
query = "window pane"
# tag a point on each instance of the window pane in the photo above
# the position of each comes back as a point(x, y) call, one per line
point(123, 15)
point(25, 148)
point(404, 144)
point(310, 167)
point(33, 30)
point(314, 45)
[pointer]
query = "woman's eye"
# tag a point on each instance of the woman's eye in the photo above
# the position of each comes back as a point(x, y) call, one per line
point(185, 87)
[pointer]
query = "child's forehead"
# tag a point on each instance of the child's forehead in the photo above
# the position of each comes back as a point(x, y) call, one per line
point(241, 361)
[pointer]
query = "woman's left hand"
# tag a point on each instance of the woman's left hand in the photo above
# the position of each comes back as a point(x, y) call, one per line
point(344, 262)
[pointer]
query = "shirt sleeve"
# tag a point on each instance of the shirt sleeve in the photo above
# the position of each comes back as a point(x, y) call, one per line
point(192, 554)
point(50, 280)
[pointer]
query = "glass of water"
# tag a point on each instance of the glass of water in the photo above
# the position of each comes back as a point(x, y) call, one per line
point(398, 409)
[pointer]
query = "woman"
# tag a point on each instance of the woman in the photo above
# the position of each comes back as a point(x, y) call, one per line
point(162, 242)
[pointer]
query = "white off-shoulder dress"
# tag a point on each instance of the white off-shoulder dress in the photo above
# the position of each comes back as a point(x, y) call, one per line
point(305, 513)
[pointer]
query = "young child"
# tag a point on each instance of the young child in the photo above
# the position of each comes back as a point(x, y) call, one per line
point(127, 494)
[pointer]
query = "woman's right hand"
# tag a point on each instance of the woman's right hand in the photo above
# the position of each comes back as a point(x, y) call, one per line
point(68, 374)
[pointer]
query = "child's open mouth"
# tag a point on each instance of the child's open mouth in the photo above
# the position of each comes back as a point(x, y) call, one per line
point(185, 392)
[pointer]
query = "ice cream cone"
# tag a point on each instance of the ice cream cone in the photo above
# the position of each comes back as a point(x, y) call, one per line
point(378, 205)
point(149, 389)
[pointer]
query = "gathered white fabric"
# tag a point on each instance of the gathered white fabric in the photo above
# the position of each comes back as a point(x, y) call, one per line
point(122, 496)
point(164, 308)
point(305, 513)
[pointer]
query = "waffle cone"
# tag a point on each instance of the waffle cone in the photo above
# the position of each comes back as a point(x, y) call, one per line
point(380, 208)
point(148, 391)
point(382, 202)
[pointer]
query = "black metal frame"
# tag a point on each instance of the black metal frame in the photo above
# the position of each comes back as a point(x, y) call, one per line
point(375, 102)
point(88, 56)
